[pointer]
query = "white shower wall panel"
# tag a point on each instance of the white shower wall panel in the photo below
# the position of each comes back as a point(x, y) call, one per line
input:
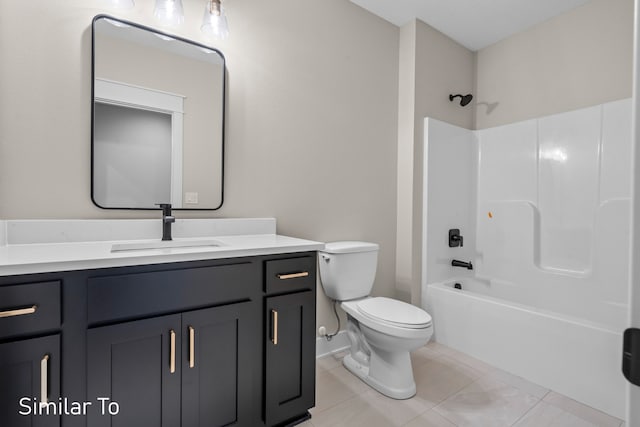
point(544, 210)
point(554, 210)
point(615, 181)
point(508, 157)
point(568, 181)
point(450, 182)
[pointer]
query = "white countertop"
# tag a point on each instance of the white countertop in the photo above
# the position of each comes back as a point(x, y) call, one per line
point(40, 252)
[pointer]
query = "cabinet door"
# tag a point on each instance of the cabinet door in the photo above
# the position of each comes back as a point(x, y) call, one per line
point(136, 365)
point(30, 370)
point(290, 356)
point(218, 359)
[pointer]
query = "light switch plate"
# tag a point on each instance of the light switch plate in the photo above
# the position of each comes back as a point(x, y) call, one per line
point(191, 198)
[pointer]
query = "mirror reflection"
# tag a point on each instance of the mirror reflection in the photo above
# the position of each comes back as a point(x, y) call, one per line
point(158, 119)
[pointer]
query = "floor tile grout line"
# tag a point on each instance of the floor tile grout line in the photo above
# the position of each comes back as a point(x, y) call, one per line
point(581, 404)
point(335, 404)
point(419, 415)
point(527, 411)
point(451, 395)
point(443, 415)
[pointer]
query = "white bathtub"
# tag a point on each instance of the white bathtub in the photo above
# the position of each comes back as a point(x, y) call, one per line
point(578, 358)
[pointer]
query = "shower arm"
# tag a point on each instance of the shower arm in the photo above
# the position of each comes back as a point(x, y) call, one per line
point(464, 99)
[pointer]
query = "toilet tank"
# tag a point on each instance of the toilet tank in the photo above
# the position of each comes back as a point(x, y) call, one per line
point(348, 269)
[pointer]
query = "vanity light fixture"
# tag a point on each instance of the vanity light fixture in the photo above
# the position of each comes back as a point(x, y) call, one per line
point(214, 21)
point(169, 12)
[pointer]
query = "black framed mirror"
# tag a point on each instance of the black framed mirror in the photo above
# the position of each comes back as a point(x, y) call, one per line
point(158, 119)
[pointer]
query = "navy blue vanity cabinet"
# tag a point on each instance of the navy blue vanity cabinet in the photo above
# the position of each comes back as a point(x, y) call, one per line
point(290, 318)
point(193, 368)
point(29, 361)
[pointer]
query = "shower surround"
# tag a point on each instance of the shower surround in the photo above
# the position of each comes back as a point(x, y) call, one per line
point(544, 207)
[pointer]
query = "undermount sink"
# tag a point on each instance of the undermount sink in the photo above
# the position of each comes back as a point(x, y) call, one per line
point(166, 244)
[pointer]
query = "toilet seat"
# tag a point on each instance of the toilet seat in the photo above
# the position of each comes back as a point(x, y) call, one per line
point(394, 313)
point(394, 327)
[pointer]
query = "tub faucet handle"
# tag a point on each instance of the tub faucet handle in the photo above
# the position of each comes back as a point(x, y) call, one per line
point(455, 238)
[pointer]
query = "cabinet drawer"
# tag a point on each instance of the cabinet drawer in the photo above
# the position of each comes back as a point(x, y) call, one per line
point(129, 296)
point(290, 274)
point(29, 308)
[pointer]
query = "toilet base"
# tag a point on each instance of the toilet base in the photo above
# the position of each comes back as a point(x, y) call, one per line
point(404, 385)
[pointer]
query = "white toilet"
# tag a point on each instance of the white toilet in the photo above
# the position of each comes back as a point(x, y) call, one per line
point(382, 330)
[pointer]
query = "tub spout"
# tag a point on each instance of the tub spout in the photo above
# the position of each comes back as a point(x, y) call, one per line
point(467, 265)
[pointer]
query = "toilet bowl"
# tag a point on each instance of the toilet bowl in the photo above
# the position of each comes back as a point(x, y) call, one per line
point(382, 331)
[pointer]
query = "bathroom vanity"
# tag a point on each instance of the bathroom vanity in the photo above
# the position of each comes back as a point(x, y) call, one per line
point(176, 336)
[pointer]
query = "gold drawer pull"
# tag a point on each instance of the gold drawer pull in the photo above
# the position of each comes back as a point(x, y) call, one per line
point(44, 379)
point(274, 317)
point(172, 355)
point(293, 275)
point(192, 345)
point(19, 311)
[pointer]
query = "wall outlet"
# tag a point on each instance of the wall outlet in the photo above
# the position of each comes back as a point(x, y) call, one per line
point(191, 198)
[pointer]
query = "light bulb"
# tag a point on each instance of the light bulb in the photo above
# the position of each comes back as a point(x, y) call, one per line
point(214, 21)
point(169, 12)
point(123, 4)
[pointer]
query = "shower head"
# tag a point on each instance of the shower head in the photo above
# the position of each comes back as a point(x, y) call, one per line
point(464, 99)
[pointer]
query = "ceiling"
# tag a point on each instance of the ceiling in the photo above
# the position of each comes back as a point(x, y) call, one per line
point(474, 24)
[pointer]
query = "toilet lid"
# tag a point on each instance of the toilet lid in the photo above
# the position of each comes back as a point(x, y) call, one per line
point(349, 247)
point(395, 312)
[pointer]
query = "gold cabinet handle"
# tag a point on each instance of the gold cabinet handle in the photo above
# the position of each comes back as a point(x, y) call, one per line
point(19, 311)
point(292, 275)
point(44, 379)
point(172, 355)
point(274, 320)
point(192, 345)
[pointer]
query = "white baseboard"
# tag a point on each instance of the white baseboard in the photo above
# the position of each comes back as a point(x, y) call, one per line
point(338, 343)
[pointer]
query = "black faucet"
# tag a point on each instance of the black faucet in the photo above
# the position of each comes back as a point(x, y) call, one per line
point(467, 265)
point(167, 220)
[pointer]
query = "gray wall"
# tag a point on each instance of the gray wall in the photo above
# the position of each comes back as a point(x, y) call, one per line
point(578, 59)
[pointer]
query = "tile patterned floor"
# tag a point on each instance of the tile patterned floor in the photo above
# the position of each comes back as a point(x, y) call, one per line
point(453, 389)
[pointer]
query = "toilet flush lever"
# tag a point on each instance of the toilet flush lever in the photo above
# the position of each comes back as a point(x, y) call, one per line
point(326, 258)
